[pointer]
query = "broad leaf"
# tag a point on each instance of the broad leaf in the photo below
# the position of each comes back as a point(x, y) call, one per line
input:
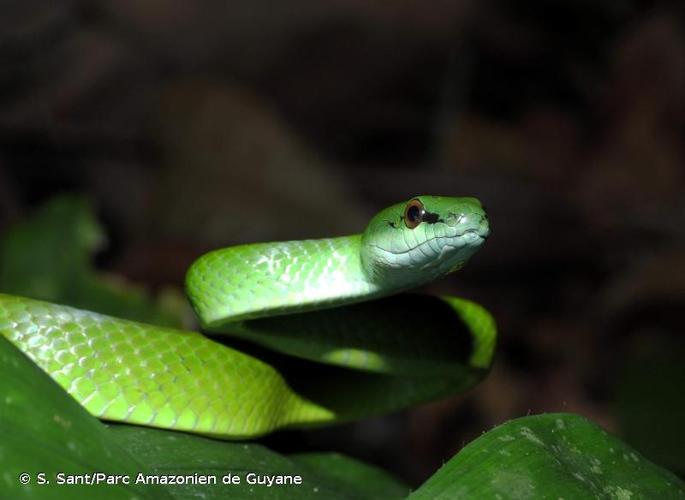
point(352, 475)
point(252, 467)
point(43, 430)
point(550, 457)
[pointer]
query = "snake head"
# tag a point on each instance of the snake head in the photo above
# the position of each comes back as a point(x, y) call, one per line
point(411, 243)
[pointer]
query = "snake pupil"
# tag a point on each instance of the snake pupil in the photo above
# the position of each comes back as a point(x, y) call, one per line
point(413, 214)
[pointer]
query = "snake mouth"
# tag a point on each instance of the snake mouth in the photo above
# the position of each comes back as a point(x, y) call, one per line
point(481, 234)
point(458, 250)
point(466, 247)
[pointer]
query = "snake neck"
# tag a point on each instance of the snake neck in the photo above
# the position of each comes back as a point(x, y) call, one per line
point(251, 281)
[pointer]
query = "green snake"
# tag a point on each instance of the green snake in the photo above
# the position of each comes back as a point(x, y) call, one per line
point(310, 299)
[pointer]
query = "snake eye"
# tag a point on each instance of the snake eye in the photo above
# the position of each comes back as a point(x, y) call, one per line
point(413, 213)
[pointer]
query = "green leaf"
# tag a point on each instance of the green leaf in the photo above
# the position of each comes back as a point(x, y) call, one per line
point(335, 477)
point(43, 255)
point(550, 457)
point(353, 475)
point(45, 431)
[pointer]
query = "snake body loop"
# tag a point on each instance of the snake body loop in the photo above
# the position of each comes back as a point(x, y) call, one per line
point(126, 371)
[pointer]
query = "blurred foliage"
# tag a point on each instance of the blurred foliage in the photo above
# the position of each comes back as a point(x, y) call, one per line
point(49, 256)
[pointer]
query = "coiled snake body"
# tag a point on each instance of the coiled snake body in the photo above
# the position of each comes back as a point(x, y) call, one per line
point(310, 299)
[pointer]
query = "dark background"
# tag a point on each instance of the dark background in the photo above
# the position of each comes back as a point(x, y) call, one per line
point(192, 125)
